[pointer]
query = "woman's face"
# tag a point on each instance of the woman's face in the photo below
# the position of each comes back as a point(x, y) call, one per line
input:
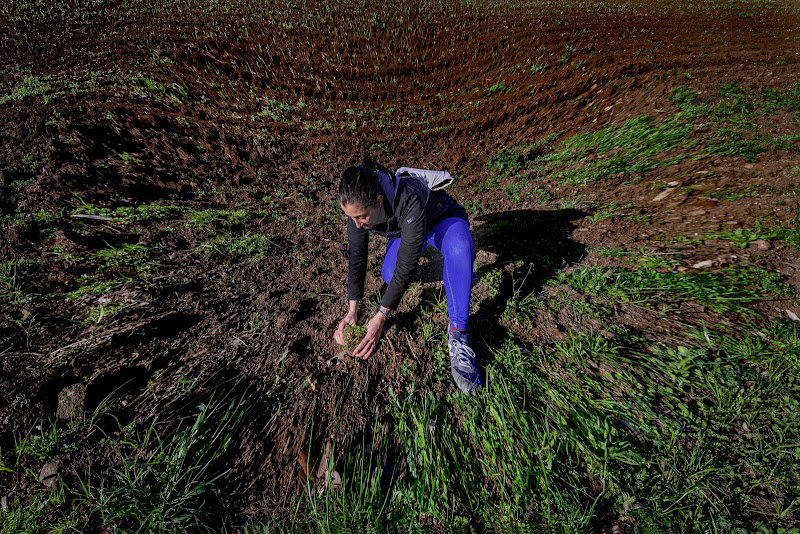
point(363, 217)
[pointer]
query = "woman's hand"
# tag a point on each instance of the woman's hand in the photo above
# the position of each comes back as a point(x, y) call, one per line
point(369, 344)
point(349, 319)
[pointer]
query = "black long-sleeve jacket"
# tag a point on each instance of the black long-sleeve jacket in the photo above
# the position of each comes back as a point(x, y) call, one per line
point(409, 217)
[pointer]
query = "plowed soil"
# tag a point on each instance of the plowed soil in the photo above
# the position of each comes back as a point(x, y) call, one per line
point(235, 106)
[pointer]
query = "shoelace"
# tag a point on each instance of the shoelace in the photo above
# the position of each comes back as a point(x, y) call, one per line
point(463, 353)
point(465, 361)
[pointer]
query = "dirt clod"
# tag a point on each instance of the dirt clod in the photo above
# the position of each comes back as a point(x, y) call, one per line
point(70, 401)
point(48, 475)
point(353, 334)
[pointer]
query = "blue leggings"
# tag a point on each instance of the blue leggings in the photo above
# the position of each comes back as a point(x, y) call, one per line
point(452, 238)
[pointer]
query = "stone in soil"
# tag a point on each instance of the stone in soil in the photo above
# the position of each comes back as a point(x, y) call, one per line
point(70, 401)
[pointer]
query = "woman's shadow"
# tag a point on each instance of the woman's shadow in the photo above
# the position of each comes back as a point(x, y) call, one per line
point(517, 252)
point(537, 237)
point(531, 245)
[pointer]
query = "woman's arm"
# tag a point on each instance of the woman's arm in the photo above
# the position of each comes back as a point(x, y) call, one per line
point(411, 218)
point(357, 243)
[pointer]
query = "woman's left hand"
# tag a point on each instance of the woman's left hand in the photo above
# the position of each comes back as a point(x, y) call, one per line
point(369, 344)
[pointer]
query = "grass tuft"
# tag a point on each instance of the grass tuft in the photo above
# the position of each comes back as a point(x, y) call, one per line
point(169, 485)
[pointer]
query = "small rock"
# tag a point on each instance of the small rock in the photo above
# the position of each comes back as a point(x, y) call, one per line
point(674, 184)
point(306, 464)
point(703, 264)
point(4, 503)
point(337, 480)
point(70, 401)
point(49, 473)
point(682, 269)
point(696, 213)
point(793, 316)
point(664, 194)
point(322, 470)
point(762, 244)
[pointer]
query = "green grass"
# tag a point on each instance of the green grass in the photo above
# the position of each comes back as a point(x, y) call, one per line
point(89, 285)
point(14, 286)
point(513, 159)
point(735, 120)
point(103, 313)
point(353, 334)
point(42, 512)
point(44, 11)
point(128, 159)
point(551, 438)
point(733, 194)
point(742, 237)
point(168, 485)
point(112, 268)
point(609, 211)
point(728, 289)
point(497, 88)
point(788, 234)
point(492, 280)
point(206, 218)
point(30, 86)
point(126, 214)
point(254, 246)
point(680, 434)
point(637, 146)
point(175, 92)
point(737, 117)
point(275, 110)
point(44, 445)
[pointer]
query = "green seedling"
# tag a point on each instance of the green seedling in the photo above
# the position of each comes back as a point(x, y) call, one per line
point(353, 334)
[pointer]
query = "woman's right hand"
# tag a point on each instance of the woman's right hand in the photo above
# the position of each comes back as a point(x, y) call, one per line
point(349, 319)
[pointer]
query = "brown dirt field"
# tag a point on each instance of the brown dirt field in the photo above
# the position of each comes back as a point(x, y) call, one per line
point(261, 108)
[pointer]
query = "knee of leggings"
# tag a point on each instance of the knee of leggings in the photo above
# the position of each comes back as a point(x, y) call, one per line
point(461, 248)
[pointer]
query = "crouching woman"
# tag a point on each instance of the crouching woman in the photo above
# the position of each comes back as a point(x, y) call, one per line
point(402, 208)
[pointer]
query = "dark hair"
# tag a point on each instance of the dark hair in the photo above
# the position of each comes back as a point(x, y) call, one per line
point(359, 185)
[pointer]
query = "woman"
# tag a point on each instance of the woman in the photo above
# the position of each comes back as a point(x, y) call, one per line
point(405, 210)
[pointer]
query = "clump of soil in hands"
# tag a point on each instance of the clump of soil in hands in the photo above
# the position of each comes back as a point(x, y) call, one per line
point(353, 334)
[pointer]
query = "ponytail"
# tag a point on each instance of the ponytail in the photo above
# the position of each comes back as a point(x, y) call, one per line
point(359, 185)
